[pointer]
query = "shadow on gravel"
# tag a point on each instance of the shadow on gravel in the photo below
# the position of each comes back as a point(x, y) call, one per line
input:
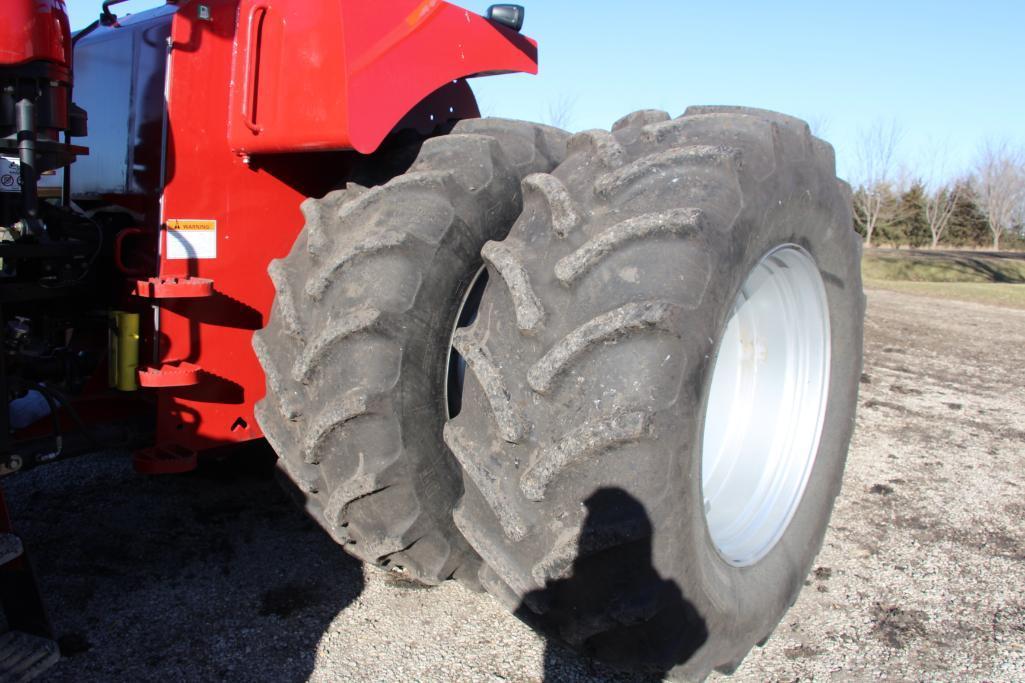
point(209, 576)
point(613, 605)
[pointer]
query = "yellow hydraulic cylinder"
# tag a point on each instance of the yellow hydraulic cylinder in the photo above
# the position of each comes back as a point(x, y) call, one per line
point(124, 351)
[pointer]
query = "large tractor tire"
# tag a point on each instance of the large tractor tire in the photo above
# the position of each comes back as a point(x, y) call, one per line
point(357, 346)
point(664, 374)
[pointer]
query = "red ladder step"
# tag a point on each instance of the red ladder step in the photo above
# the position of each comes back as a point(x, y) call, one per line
point(165, 459)
point(177, 374)
point(174, 288)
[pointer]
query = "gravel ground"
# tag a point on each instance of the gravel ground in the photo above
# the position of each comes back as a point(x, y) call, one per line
point(213, 576)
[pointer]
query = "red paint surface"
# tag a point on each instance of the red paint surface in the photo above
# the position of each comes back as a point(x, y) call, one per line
point(33, 30)
point(344, 74)
point(340, 74)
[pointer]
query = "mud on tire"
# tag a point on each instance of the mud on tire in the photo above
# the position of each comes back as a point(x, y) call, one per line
point(590, 368)
point(357, 344)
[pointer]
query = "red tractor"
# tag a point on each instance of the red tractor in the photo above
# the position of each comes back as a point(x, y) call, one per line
point(610, 377)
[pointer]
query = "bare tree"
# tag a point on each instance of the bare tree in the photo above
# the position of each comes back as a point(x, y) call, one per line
point(560, 111)
point(876, 150)
point(1019, 218)
point(940, 204)
point(941, 195)
point(1000, 184)
point(903, 179)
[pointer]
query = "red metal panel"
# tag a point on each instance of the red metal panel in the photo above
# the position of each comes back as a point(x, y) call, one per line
point(253, 203)
point(34, 30)
point(257, 218)
point(340, 74)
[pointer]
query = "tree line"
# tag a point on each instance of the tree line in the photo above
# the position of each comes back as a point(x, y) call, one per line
point(951, 216)
point(983, 208)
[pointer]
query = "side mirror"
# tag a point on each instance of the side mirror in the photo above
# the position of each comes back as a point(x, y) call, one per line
point(511, 16)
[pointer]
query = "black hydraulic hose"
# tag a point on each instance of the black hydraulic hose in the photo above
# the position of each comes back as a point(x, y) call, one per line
point(107, 17)
point(67, 405)
point(92, 259)
point(79, 36)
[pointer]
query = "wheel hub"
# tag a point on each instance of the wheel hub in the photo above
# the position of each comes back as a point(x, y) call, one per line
point(766, 405)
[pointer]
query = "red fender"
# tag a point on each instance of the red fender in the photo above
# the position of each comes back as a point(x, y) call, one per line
point(341, 74)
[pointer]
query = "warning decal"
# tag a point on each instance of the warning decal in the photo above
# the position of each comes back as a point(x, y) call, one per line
point(10, 175)
point(189, 238)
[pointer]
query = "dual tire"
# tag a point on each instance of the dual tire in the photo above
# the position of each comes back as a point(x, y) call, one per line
point(357, 347)
point(657, 385)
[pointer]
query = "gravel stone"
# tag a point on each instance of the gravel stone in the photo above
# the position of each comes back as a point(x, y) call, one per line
point(214, 576)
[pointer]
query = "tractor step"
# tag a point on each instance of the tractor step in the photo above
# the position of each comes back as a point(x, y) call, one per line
point(168, 375)
point(10, 549)
point(24, 657)
point(165, 459)
point(174, 288)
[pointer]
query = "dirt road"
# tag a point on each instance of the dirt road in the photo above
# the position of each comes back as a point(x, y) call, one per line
point(209, 577)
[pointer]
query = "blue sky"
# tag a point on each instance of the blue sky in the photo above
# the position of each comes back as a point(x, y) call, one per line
point(950, 74)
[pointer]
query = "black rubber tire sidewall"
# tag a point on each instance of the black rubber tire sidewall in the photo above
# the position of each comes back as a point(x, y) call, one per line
point(751, 600)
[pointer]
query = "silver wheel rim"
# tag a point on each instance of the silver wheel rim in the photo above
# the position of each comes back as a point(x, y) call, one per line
point(766, 405)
